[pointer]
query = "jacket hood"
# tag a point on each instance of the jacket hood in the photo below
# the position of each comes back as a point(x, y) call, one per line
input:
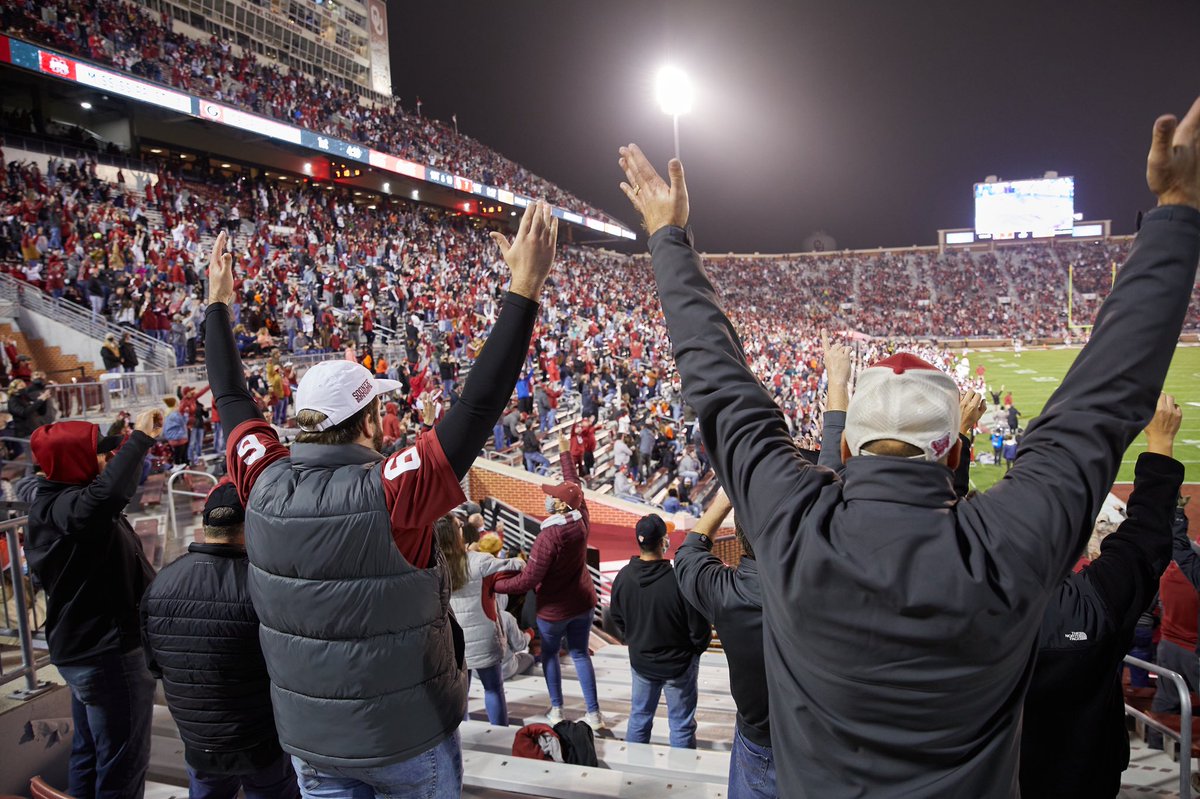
point(66, 451)
point(649, 572)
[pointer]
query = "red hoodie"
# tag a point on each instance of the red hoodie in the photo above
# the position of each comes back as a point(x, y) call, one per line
point(66, 451)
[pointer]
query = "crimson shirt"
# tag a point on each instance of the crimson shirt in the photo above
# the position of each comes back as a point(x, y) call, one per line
point(419, 485)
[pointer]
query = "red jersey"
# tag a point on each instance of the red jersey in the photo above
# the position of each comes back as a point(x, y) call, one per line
point(419, 484)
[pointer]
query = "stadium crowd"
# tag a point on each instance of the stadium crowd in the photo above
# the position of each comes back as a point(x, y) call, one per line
point(132, 39)
point(717, 370)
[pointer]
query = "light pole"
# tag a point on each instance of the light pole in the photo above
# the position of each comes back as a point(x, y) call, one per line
point(674, 91)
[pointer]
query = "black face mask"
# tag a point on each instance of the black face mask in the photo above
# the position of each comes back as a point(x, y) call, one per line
point(37, 384)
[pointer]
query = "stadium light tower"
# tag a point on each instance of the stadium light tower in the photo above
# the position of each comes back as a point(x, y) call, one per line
point(675, 94)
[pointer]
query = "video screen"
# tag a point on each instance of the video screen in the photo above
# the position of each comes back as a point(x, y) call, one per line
point(1025, 208)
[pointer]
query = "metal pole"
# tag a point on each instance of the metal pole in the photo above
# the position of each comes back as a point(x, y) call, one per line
point(675, 118)
point(28, 664)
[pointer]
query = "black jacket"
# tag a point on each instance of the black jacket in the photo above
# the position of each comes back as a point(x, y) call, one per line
point(201, 637)
point(732, 600)
point(648, 612)
point(1074, 741)
point(129, 358)
point(84, 552)
point(111, 359)
point(26, 407)
point(899, 622)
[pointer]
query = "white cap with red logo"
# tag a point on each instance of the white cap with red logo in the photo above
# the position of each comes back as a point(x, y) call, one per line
point(339, 389)
point(904, 398)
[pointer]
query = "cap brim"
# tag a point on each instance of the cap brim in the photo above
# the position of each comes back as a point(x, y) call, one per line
point(548, 489)
point(382, 387)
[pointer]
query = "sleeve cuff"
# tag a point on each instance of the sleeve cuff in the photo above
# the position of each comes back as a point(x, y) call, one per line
point(699, 539)
point(1173, 213)
point(524, 303)
point(141, 439)
point(671, 232)
point(1155, 466)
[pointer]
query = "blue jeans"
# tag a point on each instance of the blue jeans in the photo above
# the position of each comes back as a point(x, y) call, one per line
point(112, 703)
point(196, 444)
point(276, 781)
point(577, 631)
point(494, 699)
point(681, 706)
point(218, 440)
point(540, 464)
point(436, 773)
point(751, 770)
point(499, 437)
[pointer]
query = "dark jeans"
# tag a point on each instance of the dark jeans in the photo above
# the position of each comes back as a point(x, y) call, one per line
point(276, 781)
point(494, 699)
point(112, 702)
point(751, 770)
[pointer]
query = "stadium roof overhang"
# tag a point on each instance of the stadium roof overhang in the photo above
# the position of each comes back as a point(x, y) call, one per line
point(161, 114)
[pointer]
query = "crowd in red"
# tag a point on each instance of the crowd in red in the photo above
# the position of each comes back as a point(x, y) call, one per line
point(128, 37)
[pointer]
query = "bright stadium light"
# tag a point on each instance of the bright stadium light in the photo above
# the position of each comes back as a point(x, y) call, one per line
point(675, 94)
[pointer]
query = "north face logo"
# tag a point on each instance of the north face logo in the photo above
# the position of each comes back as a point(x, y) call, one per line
point(1076, 636)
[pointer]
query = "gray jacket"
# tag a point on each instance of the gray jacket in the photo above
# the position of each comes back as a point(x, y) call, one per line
point(481, 632)
point(899, 621)
point(335, 600)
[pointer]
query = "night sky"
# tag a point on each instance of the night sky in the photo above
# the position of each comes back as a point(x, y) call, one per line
point(868, 119)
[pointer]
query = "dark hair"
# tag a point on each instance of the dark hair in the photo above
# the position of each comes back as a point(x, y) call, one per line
point(469, 534)
point(450, 541)
point(347, 432)
point(747, 550)
point(223, 532)
point(891, 447)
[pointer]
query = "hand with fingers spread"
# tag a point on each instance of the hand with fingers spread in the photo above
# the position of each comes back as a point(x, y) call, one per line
point(1163, 427)
point(530, 254)
point(838, 358)
point(220, 272)
point(1173, 166)
point(970, 406)
point(659, 203)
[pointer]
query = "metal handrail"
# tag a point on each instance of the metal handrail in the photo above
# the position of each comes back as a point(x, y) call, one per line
point(1184, 736)
point(29, 662)
point(150, 350)
point(172, 519)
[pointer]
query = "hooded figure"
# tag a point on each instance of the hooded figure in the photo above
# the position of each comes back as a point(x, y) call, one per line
point(84, 552)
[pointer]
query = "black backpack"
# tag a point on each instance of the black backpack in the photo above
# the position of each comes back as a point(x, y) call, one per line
point(578, 743)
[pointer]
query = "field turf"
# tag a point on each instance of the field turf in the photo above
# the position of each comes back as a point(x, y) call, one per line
point(1036, 373)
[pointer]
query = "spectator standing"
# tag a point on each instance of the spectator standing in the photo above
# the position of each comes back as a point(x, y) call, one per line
point(84, 553)
point(1177, 591)
point(665, 636)
point(474, 603)
point(731, 599)
point(175, 431)
point(1074, 742)
point(201, 638)
point(566, 598)
point(835, 715)
point(334, 529)
point(110, 354)
point(531, 449)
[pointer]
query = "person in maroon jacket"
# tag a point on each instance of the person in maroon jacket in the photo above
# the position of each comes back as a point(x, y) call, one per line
point(566, 599)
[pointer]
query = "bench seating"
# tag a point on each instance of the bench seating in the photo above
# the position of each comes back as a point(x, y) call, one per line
point(526, 777)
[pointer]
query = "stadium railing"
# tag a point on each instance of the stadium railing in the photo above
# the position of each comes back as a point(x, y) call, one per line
point(1183, 733)
point(30, 663)
point(150, 351)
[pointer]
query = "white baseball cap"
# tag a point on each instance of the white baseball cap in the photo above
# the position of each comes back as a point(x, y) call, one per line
point(904, 398)
point(339, 389)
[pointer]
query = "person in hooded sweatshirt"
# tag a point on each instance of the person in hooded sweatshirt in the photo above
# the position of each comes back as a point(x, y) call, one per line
point(85, 554)
point(665, 635)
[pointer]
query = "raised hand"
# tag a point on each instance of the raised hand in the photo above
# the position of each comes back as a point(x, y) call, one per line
point(970, 407)
point(530, 254)
point(1164, 425)
point(1173, 166)
point(150, 422)
point(838, 358)
point(220, 272)
point(659, 203)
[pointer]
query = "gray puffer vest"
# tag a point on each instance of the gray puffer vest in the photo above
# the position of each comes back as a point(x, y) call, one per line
point(365, 658)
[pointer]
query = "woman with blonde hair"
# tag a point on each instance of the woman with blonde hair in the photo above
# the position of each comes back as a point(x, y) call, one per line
point(474, 603)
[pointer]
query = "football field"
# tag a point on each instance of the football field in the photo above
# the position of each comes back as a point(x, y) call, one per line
point(1034, 375)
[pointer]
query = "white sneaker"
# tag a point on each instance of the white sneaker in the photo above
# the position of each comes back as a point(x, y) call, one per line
point(554, 715)
point(594, 720)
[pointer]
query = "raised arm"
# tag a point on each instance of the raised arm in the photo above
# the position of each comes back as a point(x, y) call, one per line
point(752, 453)
point(971, 407)
point(469, 422)
point(837, 387)
point(703, 578)
point(1133, 558)
point(226, 377)
point(110, 492)
point(1070, 456)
